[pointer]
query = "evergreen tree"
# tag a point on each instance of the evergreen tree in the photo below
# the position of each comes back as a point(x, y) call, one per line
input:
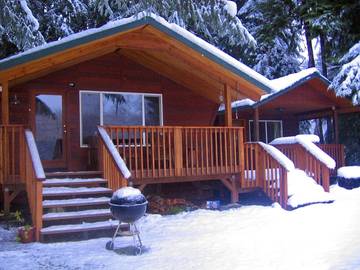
point(274, 26)
point(212, 20)
point(347, 82)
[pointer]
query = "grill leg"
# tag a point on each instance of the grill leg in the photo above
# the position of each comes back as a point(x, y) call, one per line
point(110, 245)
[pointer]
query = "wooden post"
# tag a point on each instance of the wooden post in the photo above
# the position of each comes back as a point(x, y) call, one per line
point(228, 110)
point(325, 177)
point(256, 125)
point(336, 126)
point(178, 151)
point(5, 103)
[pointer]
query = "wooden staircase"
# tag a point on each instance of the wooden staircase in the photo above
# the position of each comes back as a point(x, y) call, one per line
point(74, 207)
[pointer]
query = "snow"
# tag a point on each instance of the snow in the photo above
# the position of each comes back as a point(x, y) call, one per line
point(79, 201)
point(294, 139)
point(303, 190)
point(115, 154)
point(77, 213)
point(231, 8)
point(126, 192)
point(289, 80)
point(171, 26)
point(39, 171)
point(63, 190)
point(307, 141)
point(72, 180)
point(29, 14)
point(278, 156)
point(238, 103)
point(84, 225)
point(349, 172)
point(320, 236)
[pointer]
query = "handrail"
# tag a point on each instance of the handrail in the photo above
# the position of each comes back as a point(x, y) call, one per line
point(34, 175)
point(34, 154)
point(263, 168)
point(336, 152)
point(153, 152)
point(306, 160)
point(113, 166)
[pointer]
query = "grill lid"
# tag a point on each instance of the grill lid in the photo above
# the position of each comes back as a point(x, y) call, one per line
point(128, 196)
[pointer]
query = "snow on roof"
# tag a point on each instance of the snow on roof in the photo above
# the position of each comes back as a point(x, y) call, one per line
point(238, 103)
point(114, 27)
point(307, 141)
point(283, 84)
point(289, 80)
point(349, 172)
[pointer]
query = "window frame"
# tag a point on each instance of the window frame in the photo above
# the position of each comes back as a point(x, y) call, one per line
point(101, 109)
point(266, 129)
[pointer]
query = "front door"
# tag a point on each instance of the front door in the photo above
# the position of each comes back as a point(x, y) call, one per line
point(50, 129)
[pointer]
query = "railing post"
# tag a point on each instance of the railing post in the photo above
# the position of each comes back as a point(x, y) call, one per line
point(325, 175)
point(260, 166)
point(283, 188)
point(39, 209)
point(178, 151)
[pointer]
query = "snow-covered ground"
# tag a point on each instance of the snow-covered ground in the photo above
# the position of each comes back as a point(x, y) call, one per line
point(320, 236)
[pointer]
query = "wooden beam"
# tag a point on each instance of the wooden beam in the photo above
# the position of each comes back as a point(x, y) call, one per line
point(256, 125)
point(5, 102)
point(336, 126)
point(228, 110)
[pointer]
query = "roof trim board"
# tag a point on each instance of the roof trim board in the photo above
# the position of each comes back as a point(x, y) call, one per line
point(129, 24)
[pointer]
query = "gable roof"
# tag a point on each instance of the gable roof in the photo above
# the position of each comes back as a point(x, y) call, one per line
point(300, 81)
point(121, 26)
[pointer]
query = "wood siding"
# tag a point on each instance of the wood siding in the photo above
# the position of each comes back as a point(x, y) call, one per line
point(112, 72)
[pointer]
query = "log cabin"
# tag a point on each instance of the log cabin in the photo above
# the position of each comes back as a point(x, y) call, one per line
point(145, 87)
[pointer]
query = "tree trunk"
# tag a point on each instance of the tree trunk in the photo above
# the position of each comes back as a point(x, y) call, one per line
point(311, 62)
point(323, 59)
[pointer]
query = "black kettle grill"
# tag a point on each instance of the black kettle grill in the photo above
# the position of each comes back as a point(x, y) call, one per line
point(127, 209)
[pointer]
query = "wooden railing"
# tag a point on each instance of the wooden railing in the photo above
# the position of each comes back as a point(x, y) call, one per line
point(169, 151)
point(305, 160)
point(34, 175)
point(264, 171)
point(11, 158)
point(336, 151)
point(112, 165)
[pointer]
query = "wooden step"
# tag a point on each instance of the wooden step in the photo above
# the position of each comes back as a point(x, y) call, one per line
point(57, 182)
point(74, 191)
point(72, 174)
point(76, 202)
point(83, 227)
point(95, 213)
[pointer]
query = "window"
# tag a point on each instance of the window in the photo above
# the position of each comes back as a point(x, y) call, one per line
point(268, 130)
point(114, 108)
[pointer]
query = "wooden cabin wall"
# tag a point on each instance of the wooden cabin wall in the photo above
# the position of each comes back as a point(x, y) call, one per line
point(111, 73)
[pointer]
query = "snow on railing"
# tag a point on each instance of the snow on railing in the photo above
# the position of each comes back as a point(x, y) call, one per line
point(34, 154)
point(114, 153)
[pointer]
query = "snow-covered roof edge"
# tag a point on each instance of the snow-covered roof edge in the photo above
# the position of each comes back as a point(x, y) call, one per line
point(145, 18)
point(307, 75)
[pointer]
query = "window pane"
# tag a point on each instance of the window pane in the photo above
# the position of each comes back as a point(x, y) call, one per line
point(262, 132)
point(273, 130)
point(124, 110)
point(49, 126)
point(152, 111)
point(90, 115)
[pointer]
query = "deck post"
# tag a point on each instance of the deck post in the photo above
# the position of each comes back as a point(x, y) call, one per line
point(178, 151)
point(5, 102)
point(228, 110)
point(256, 125)
point(336, 126)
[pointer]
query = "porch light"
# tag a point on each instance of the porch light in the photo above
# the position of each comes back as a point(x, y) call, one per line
point(71, 84)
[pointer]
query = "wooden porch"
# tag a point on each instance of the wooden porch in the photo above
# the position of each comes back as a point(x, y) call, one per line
point(162, 155)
